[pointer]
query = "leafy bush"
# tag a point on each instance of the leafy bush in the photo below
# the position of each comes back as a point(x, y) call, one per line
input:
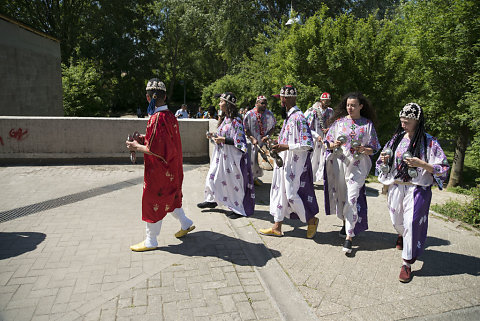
point(468, 213)
point(84, 90)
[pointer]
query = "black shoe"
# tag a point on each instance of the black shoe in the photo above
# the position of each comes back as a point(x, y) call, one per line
point(232, 215)
point(347, 247)
point(207, 205)
point(342, 232)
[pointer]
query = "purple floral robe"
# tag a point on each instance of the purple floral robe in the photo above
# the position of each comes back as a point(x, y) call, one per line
point(345, 176)
point(292, 194)
point(229, 180)
point(409, 203)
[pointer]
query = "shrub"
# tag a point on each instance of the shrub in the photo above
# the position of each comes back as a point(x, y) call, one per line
point(468, 213)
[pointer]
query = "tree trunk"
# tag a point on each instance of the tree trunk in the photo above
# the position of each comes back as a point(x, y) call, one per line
point(458, 158)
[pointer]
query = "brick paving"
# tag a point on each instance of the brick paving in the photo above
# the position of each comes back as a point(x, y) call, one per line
point(73, 262)
point(365, 286)
point(67, 257)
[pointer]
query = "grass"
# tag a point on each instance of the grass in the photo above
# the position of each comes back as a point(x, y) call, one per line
point(468, 213)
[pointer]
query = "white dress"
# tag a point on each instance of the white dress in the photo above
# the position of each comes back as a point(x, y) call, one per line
point(292, 194)
point(345, 176)
point(229, 180)
point(409, 202)
point(317, 118)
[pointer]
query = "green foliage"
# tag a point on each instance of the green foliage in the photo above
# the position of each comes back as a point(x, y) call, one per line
point(84, 91)
point(468, 213)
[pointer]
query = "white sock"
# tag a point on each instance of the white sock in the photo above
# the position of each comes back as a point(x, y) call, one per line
point(152, 231)
point(407, 264)
point(179, 214)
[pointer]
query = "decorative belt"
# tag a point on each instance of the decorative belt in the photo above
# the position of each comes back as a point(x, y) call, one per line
point(402, 183)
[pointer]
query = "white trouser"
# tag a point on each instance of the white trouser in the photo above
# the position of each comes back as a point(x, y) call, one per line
point(153, 229)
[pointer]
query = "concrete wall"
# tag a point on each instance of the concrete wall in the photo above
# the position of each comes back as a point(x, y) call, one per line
point(30, 69)
point(74, 139)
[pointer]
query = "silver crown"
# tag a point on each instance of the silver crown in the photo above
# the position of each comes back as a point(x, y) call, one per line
point(229, 98)
point(288, 92)
point(411, 110)
point(156, 85)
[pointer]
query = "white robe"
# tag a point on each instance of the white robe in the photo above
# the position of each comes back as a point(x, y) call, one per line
point(292, 194)
point(345, 177)
point(409, 202)
point(250, 122)
point(229, 180)
point(317, 118)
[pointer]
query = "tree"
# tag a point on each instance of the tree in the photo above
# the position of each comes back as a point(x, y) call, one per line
point(85, 92)
point(444, 36)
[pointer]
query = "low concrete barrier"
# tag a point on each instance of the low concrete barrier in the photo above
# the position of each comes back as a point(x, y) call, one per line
point(85, 139)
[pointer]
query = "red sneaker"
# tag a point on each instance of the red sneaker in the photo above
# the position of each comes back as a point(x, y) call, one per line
point(405, 274)
point(399, 244)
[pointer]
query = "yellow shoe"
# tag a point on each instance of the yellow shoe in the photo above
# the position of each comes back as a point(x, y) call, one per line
point(140, 247)
point(182, 233)
point(256, 182)
point(312, 229)
point(269, 232)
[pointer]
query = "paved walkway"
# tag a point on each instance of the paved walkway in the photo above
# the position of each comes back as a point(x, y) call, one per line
point(65, 233)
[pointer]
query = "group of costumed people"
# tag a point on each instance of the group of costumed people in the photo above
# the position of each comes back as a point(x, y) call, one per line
point(335, 147)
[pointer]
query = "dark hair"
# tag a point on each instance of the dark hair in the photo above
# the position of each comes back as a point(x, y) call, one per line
point(211, 111)
point(158, 93)
point(414, 147)
point(341, 109)
point(231, 112)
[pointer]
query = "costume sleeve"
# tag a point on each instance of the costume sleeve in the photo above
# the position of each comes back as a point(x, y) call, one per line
point(271, 121)
point(302, 136)
point(245, 121)
point(331, 135)
point(239, 139)
point(379, 162)
point(310, 117)
point(373, 141)
point(437, 158)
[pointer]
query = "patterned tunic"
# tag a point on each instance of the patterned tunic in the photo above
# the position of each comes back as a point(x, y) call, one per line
point(229, 180)
point(409, 203)
point(259, 124)
point(436, 157)
point(317, 118)
point(292, 194)
point(345, 176)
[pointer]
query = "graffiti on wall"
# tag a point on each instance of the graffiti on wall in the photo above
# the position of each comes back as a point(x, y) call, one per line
point(18, 134)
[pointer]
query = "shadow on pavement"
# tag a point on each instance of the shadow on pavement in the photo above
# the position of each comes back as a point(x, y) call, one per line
point(371, 191)
point(438, 263)
point(369, 240)
point(262, 194)
point(213, 244)
point(67, 199)
point(16, 243)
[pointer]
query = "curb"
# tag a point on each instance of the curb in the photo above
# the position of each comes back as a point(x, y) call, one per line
point(287, 299)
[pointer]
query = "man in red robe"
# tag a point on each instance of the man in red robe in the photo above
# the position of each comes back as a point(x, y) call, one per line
point(163, 176)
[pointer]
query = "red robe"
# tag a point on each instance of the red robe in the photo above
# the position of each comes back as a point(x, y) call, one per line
point(162, 187)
